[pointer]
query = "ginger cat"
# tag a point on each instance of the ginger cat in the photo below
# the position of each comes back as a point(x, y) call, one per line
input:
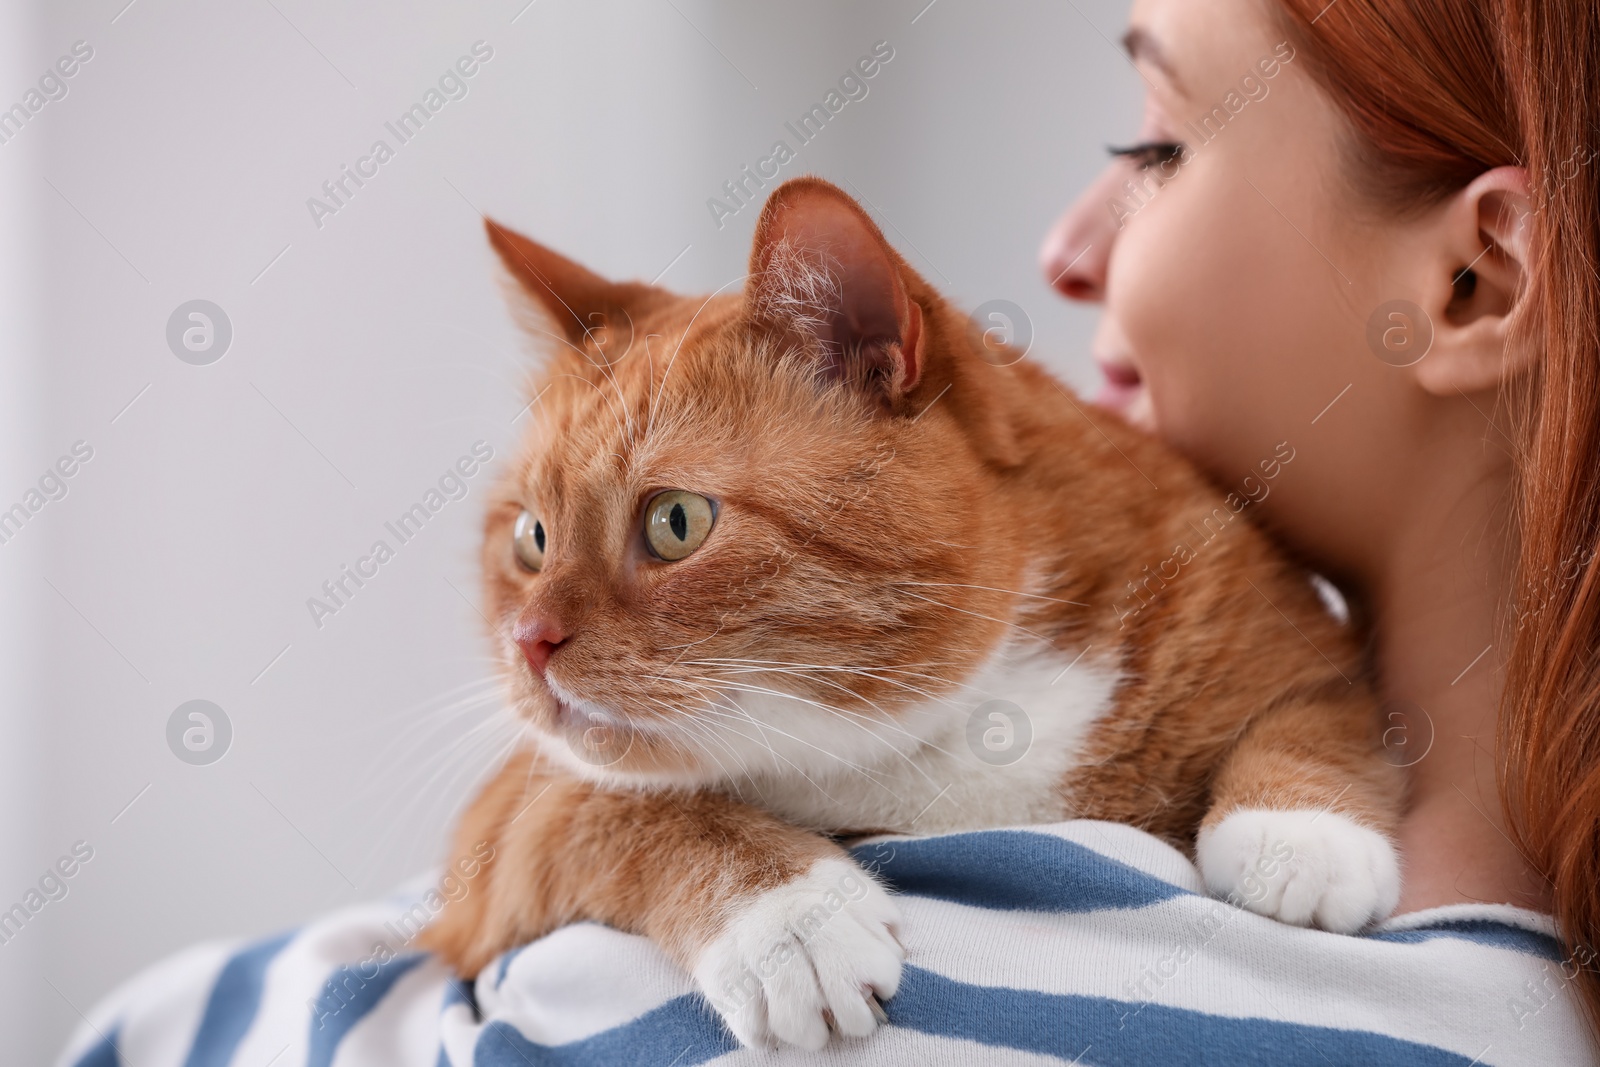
point(760, 568)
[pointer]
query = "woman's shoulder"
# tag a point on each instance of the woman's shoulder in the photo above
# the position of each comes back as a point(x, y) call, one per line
point(1078, 942)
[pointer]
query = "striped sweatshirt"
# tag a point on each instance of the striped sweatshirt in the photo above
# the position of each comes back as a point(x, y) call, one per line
point(1077, 943)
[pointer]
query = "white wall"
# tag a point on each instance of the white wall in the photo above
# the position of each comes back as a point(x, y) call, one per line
point(363, 362)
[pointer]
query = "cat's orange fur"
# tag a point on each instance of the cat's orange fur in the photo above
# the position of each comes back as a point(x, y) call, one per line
point(893, 510)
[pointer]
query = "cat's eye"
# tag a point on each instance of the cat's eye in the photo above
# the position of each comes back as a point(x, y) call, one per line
point(676, 523)
point(527, 540)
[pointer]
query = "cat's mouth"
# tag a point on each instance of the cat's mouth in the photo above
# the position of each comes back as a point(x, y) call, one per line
point(573, 712)
point(595, 734)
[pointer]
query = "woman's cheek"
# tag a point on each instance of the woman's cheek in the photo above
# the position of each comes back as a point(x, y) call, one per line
point(1162, 295)
point(1191, 291)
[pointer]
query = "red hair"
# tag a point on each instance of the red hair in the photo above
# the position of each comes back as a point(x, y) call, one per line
point(1437, 92)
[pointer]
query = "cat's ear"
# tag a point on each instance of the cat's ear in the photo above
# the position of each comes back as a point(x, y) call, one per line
point(582, 308)
point(821, 269)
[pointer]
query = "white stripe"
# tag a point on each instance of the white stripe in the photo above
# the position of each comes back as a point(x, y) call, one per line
point(903, 1047)
point(552, 992)
point(1445, 992)
point(586, 979)
point(403, 1030)
point(458, 1032)
point(297, 976)
point(159, 1009)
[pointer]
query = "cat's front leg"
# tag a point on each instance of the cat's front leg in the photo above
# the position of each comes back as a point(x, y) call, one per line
point(1302, 816)
point(780, 929)
point(788, 958)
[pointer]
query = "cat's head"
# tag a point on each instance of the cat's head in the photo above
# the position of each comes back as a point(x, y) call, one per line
point(753, 533)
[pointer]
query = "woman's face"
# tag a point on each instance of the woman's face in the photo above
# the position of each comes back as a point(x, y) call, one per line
point(1237, 282)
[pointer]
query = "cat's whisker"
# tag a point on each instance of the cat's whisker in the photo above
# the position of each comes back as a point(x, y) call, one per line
point(724, 668)
point(443, 699)
point(424, 746)
point(520, 740)
point(453, 703)
point(683, 718)
point(587, 332)
point(650, 398)
point(621, 420)
point(466, 691)
point(836, 685)
point(903, 668)
point(737, 713)
point(700, 733)
point(627, 419)
point(690, 644)
point(819, 672)
point(735, 716)
point(854, 719)
point(436, 802)
point(977, 614)
point(802, 670)
point(495, 718)
point(405, 737)
point(469, 754)
point(740, 715)
point(703, 737)
point(667, 373)
point(887, 718)
point(948, 701)
point(605, 366)
point(995, 589)
point(557, 338)
point(650, 373)
point(487, 757)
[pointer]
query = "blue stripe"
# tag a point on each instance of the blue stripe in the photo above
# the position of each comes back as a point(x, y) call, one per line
point(1009, 870)
point(103, 1053)
point(235, 999)
point(1081, 1029)
point(1480, 932)
point(680, 1033)
point(456, 991)
point(1098, 1030)
point(348, 996)
point(505, 964)
point(460, 991)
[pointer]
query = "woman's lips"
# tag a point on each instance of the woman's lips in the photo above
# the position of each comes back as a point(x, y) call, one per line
point(1121, 387)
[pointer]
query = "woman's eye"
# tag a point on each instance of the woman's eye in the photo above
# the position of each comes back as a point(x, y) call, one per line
point(676, 523)
point(527, 540)
point(1149, 154)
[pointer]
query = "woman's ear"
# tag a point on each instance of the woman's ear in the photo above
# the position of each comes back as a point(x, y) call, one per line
point(1478, 285)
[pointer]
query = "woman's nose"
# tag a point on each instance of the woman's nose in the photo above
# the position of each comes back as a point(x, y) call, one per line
point(1077, 249)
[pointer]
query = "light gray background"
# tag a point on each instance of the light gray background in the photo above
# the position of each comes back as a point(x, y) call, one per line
point(366, 358)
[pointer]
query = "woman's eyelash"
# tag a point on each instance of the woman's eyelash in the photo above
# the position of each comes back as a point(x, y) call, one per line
point(1149, 153)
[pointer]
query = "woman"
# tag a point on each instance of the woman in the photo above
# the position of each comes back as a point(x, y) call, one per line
point(1276, 273)
point(1365, 228)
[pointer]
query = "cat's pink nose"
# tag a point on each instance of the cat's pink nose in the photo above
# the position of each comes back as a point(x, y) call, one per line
point(537, 636)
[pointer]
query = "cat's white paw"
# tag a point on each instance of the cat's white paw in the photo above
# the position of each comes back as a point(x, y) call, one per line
point(1302, 867)
point(790, 959)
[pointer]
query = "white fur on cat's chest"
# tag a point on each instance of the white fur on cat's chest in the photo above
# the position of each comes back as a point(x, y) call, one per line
point(926, 772)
